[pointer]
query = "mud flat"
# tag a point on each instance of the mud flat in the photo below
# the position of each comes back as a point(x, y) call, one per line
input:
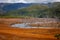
point(28, 34)
point(14, 33)
point(38, 22)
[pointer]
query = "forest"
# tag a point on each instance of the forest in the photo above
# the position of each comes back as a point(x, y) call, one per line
point(36, 11)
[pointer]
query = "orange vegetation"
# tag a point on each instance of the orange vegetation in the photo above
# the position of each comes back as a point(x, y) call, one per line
point(9, 33)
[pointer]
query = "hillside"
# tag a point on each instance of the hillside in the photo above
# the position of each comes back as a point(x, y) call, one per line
point(12, 6)
point(34, 10)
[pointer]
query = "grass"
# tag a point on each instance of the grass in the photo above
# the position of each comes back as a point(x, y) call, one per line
point(15, 17)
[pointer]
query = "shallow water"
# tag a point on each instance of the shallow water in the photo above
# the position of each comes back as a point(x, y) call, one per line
point(25, 25)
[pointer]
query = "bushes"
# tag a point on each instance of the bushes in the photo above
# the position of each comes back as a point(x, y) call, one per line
point(12, 17)
point(57, 36)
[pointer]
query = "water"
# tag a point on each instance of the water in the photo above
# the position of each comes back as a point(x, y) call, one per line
point(23, 25)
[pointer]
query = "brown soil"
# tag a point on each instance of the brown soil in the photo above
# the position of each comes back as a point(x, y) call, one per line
point(9, 33)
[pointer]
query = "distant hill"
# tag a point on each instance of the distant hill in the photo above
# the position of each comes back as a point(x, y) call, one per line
point(6, 7)
point(12, 6)
point(35, 10)
point(27, 10)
